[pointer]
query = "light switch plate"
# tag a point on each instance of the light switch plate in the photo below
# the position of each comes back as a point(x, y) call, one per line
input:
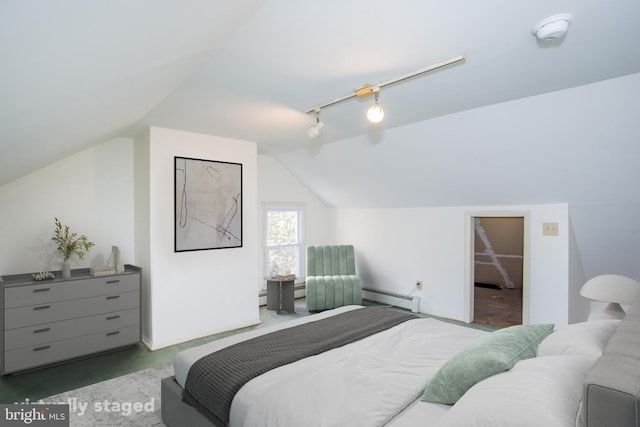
point(550, 228)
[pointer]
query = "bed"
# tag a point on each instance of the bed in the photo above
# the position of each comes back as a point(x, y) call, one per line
point(419, 371)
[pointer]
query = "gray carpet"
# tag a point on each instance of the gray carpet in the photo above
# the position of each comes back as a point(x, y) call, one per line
point(131, 400)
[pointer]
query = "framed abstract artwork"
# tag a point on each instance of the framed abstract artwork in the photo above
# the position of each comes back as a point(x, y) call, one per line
point(208, 204)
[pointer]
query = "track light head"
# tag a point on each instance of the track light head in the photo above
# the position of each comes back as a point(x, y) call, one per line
point(375, 114)
point(314, 130)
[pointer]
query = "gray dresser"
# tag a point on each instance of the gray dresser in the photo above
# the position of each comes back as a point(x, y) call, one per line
point(54, 320)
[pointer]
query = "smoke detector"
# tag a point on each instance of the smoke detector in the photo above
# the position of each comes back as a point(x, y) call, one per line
point(553, 27)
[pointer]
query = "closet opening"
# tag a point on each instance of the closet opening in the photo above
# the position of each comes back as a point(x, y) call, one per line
point(497, 288)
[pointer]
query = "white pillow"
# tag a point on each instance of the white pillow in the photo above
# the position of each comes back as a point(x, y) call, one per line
point(586, 339)
point(542, 391)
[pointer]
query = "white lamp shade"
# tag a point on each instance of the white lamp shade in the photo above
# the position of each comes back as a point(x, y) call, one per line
point(612, 288)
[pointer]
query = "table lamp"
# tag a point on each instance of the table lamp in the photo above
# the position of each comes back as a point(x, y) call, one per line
point(615, 290)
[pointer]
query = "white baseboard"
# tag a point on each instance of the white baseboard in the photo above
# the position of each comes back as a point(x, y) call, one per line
point(157, 346)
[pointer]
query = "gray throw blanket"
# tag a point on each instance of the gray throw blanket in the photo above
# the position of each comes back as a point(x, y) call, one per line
point(214, 380)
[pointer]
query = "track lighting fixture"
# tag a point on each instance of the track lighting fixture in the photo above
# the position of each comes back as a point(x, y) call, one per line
point(375, 113)
point(314, 131)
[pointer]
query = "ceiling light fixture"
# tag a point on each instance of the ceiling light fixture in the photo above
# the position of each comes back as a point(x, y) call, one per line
point(367, 90)
point(375, 114)
point(553, 27)
point(314, 131)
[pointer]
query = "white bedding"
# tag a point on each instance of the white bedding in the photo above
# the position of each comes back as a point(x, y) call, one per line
point(364, 383)
point(419, 414)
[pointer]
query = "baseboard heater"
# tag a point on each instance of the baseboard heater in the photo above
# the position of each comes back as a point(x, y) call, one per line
point(376, 295)
point(390, 298)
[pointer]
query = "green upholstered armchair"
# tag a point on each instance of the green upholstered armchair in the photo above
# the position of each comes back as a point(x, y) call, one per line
point(331, 277)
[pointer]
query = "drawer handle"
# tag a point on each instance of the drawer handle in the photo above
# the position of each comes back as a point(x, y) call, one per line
point(44, 347)
point(113, 317)
point(39, 331)
point(42, 290)
point(112, 333)
point(113, 281)
point(42, 307)
point(113, 297)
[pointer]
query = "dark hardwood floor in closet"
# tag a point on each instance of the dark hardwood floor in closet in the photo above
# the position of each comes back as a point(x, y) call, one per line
point(497, 307)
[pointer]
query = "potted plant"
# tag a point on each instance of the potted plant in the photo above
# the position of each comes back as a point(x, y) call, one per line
point(68, 244)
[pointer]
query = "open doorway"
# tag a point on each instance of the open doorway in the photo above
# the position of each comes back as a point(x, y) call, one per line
point(498, 270)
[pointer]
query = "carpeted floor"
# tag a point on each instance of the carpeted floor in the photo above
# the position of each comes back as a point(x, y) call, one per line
point(131, 400)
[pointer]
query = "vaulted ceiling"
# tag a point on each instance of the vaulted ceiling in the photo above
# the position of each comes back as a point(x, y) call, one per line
point(76, 73)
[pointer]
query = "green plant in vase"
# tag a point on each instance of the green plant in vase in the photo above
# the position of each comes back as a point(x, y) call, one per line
point(68, 244)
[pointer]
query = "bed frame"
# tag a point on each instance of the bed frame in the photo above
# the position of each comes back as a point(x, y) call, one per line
point(611, 390)
point(176, 413)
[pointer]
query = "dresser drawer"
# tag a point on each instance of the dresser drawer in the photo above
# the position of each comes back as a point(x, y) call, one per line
point(30, 357)
point(56, 331)
point(25, 295)
point(56, 311)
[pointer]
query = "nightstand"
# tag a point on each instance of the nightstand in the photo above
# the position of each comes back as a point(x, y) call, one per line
point(280, 295)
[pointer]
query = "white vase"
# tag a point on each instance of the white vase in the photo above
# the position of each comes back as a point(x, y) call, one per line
point(66, 268)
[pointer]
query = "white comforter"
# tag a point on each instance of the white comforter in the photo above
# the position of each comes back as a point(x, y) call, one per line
point(366, 383)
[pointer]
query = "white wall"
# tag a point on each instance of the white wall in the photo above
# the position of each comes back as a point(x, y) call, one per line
point(193, 294)
point(550, 287)
point(90, 191)
point(577, 146)
point(277, 185)
point(396, 247)
point(578, 306)
point(608, 234)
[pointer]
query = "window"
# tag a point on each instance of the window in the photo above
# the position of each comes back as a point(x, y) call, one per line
point(284, 244)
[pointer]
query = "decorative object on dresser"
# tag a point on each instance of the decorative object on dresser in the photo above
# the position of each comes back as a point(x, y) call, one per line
point(62, 319)
point(43, 275)
point(105, 271)
point(68, 244)
point(115, 255)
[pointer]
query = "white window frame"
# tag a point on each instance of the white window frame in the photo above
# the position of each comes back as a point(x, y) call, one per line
point(300, 209)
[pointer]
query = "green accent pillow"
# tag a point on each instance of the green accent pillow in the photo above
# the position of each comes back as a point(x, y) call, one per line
point(494, 353)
